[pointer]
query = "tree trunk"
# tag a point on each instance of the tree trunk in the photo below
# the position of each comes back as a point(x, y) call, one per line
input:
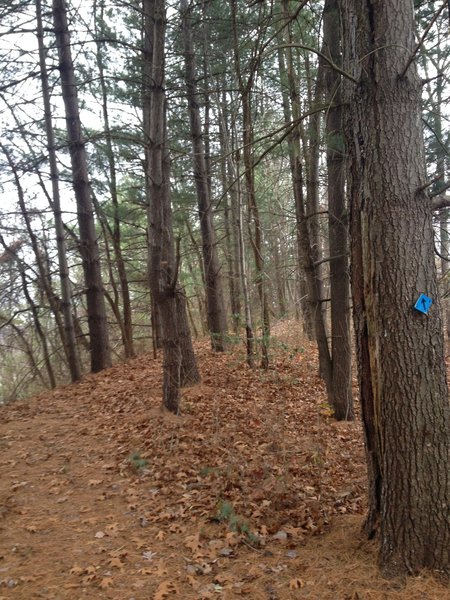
point(179, 360)
point(97, 321)
point(69, 338)
point(115, 230)
point(341, 380)
point(307, 263)
point(400, 350)
point(34, 308)
point(162, 260)
point(256, 236)
point(231, 214)
point(214, 294)
point(249, 334)
point(292, 111)
point(189, 373)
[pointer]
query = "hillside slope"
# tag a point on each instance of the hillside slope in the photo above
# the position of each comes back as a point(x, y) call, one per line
point(253, 491)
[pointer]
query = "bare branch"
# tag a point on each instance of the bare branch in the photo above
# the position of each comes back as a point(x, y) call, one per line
point(320, 54)
point(422, 39)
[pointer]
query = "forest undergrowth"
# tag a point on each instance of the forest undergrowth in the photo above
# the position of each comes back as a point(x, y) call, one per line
point(253, 491)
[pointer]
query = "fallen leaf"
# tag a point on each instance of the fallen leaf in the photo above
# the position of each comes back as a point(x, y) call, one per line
point(113, 528)
point(193, 542)
point(296, 583)
point(160, 536)
point(162, 569)
point(232, 538)
point(100, 534)
point(165, 588)
point(106, 583)
point(149, 555)
point(119, 553)
point(116, 562)
point(192, 581)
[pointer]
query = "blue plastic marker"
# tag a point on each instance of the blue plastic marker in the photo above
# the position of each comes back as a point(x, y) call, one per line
point(423, 304)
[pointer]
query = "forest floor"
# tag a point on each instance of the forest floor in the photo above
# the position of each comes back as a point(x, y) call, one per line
point(252, 492)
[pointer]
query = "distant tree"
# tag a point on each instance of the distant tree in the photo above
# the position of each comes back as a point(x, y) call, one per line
point(114, 230)
point(217, 321)
point(245, 79)
point(307, 240)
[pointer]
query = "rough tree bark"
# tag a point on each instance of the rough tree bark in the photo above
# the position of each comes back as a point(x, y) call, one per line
point(400, 350)
point(97, 321)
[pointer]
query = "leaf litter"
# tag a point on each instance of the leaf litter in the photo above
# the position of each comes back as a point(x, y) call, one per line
point(253, 491)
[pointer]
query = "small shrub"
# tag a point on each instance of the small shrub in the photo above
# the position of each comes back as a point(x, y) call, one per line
point(137, 462)
point(237, 523)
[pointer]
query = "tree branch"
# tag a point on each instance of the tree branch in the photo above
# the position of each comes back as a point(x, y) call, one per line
point(323, 56)
point(422, 39)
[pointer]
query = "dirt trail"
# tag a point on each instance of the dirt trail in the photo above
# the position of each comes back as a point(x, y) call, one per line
point(253, 492)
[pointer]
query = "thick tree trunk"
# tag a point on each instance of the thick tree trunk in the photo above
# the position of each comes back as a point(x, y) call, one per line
point(400, 350)
point(341, 381)
point(217, 321)
point(97, 321)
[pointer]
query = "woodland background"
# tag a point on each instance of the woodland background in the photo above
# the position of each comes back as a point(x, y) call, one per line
point(257, 104)
point(172, 171)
